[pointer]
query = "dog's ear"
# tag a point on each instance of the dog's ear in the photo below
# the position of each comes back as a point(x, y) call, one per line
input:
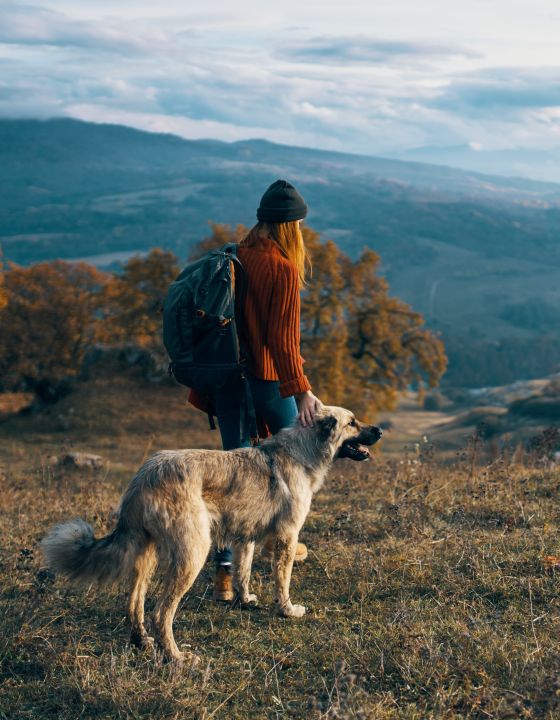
point(325, 426)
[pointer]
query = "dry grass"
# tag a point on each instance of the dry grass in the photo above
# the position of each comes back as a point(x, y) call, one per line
point(426, 592)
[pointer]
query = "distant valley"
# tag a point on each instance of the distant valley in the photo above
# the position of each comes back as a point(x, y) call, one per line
point(479, 255)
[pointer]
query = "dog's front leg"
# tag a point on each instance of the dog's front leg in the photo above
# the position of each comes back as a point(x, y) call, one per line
point(242, 560)
point(284, 553)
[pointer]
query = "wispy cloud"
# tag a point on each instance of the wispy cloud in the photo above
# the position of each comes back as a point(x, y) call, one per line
point(358, 49)
point(35, 25)
point(508, 89)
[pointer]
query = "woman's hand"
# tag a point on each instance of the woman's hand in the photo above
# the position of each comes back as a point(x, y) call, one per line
point(308, 405)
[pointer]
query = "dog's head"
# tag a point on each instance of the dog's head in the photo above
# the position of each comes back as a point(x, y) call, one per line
point(347, 436)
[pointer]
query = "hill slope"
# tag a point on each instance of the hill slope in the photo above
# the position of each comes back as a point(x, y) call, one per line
point(431, 590)
point(478, 255)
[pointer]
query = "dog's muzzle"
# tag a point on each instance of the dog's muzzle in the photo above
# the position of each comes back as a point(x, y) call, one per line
point(355, 448)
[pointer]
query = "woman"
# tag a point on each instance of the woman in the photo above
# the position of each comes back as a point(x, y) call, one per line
point(274, 261)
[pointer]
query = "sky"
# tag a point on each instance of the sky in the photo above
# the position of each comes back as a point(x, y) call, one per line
point(376, 78)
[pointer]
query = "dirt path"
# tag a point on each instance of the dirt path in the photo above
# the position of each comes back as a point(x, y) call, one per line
point(409, 424)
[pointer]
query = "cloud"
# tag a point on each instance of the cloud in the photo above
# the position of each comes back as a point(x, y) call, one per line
point(352, 92)
point(33, 25)
point(512, 90)
point(359, 49)
point(192, 128)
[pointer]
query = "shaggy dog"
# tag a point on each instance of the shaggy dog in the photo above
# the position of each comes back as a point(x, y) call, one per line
point(181, 500)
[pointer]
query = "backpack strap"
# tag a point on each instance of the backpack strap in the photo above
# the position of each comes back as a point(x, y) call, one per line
point(240, 278)
point(187, 327)
point(247, 414)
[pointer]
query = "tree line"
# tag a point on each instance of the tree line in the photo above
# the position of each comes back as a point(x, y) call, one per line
point(361, 346)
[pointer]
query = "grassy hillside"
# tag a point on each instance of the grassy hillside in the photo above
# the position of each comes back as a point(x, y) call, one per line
point(428, 590)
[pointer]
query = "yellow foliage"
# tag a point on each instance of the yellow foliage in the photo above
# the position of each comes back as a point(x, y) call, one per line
point(133, 300)
point(221, 235)
point(3, 295)
point(361, 346)
point(48, 323)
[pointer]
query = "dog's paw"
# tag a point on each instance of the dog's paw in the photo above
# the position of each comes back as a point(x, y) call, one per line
point(191, 659)
point(141, 640)
point(245, 600)
point(297, 611)
point(180, 660)
point(291, 611)
point(251, 600)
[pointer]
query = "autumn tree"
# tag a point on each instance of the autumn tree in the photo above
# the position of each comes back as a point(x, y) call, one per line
point(3, 296)
point(388, 346)
point(48, 324)
point(324, 322)
point(221, 234)
point(361, 346)
point(134, 299)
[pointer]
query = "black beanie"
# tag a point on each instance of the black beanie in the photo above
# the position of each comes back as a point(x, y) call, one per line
point(281, 203)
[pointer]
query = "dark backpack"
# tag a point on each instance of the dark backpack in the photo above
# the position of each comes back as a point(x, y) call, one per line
point(200, 329)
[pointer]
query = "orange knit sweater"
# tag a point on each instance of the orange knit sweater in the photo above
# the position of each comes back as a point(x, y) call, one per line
point(269, 321)
point(267, 308)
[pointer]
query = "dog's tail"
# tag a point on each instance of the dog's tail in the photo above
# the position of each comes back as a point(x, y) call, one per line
point(71, 549)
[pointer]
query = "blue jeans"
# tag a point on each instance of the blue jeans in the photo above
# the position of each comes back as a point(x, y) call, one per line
point(277, 413)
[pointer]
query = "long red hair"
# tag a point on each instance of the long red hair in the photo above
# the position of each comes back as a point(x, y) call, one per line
point(289, 239)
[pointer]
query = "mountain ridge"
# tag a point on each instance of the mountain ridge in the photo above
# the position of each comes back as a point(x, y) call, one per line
point(413, 168)
point(478, 255)
point(530, 163)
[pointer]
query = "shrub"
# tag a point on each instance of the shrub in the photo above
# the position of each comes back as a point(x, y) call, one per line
point(48, 324)
point(433, 402)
